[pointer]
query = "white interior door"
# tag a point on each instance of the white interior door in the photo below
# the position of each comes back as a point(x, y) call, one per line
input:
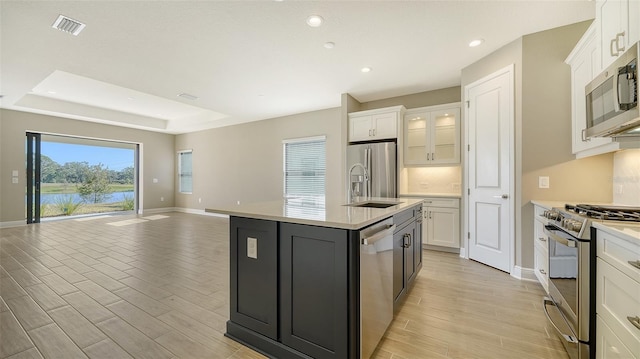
point(490, 169)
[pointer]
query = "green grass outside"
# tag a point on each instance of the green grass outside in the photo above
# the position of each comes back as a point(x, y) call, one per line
point(71, 187)
point(51, 210)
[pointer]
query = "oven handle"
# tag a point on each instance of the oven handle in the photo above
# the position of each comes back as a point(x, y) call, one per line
point(566, 337)
point(548, 230)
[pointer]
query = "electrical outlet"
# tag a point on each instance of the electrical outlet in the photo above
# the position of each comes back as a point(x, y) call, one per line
point(543, 182)
point(155, 180)
point(161, 199)
point(456, 187)
point(424, 184)
point(238, 202)
point(199, 200)
point(618, 189)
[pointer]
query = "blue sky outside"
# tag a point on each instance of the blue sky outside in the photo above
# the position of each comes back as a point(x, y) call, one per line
point(113, 158)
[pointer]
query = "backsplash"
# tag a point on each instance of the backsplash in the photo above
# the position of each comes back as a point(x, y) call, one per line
point(626, 177)
point(434, 180)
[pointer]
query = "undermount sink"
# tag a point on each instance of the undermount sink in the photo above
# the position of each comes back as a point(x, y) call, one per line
point(373, 204)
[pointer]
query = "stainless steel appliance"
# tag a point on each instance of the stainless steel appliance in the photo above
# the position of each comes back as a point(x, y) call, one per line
point(376, 284)
point(570, 306)
point(371, 170)
point(612, 99)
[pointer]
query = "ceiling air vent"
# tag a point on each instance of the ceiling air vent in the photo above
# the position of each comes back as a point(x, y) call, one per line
point(68, 24)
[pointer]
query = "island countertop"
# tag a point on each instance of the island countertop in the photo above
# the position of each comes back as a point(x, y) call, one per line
point(332, 213)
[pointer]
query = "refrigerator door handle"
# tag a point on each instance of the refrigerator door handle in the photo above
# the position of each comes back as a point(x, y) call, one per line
point(367, 164)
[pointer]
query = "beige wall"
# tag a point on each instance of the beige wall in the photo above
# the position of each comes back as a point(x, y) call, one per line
point(421, 99)
point(157, 153)
point(244, 162)
point(543, 128)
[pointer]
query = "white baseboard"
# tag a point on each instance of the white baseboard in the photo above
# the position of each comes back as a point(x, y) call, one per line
point(524, 273)
point(158, 210)
point(199, 212)
point(13, 224)
point(463, 253)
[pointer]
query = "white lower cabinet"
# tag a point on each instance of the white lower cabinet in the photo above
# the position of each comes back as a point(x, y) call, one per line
point(540, 248)
point(617, 298)
point(608, 345)
point(441, 224)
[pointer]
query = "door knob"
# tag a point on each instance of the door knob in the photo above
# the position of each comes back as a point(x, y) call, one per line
point(504, 196)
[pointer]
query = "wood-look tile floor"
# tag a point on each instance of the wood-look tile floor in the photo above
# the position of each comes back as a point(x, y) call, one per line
point(158, 287)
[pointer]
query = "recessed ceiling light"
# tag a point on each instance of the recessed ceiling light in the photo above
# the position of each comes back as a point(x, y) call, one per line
point(188, 96)
point(366, 69)
point(329, 45)
point(476, 42)
point(315, 20)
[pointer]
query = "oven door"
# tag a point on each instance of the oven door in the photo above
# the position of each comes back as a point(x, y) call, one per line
point(563, 272)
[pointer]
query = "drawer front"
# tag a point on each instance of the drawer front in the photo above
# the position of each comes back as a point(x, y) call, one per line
point(617, 298)
point(540, 239)
point(608, 345)
point(442, 202)
point(618, 253)
point(541, 267)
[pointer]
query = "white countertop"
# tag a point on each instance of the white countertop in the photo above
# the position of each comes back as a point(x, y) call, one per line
point(329, 213)
point(430, 195)
point(550, 204)
point(627, 231)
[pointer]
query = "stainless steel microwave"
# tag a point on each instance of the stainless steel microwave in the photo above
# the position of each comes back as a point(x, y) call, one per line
point(612, 99)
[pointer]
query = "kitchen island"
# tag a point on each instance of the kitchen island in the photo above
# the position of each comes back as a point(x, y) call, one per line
point(296, 285)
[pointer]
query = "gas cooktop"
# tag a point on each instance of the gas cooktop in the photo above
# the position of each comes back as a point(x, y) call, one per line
point(606, 212)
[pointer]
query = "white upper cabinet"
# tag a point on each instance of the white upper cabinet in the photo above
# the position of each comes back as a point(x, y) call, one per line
point(432, 135)
point(373, 125)
point(585, 65)
point(618, 27)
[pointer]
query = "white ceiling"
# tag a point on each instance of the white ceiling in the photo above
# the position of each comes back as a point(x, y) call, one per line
point(246, 60)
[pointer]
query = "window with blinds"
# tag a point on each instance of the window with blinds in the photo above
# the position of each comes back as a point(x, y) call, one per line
point(185, 171)
point(304, 167)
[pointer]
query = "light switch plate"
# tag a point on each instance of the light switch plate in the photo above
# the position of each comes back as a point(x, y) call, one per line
point(252, 247)
point(14, 180)
point(543, 182)
point(14, 173)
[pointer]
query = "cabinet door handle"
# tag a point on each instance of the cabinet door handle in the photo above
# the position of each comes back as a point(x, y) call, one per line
point(374, 131)
point(405, 241)
point(542, 271)
point(542, 239)
point(430, 216)
point(410, 240)
point(635, 321)
point(619, 40)
point(433, 156)
point(611, 51)
point(428, 154)
point(369, 132)
point(635, 263)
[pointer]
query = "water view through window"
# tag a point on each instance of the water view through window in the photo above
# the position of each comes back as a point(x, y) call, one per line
point(81, 178)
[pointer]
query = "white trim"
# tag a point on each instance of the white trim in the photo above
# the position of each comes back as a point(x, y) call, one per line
point(305, 139)
point(13, 224)
point(157, 210)
point(199, 212)
point(463, 253)
point(527, 274)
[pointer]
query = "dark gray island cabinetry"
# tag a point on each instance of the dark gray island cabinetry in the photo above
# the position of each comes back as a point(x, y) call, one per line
point(295, 282)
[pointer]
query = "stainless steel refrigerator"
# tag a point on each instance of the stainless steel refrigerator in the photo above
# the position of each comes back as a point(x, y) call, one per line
point(379, 160)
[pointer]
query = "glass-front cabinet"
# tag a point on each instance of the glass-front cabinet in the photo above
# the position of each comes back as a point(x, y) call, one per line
point(432, 135)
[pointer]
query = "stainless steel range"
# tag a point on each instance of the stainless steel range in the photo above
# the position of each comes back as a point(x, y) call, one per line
point(570, 306)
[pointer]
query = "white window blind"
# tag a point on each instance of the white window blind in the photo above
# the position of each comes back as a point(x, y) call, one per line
point(304, 167)
point(185, 171)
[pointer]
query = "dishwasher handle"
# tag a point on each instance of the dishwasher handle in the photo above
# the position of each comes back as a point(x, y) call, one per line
point(387, 231)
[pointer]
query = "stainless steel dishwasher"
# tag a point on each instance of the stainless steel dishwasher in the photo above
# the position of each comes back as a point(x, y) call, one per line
point(376, 284)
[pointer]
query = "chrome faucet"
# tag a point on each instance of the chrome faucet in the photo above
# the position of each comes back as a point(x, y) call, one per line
point(355, 186)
